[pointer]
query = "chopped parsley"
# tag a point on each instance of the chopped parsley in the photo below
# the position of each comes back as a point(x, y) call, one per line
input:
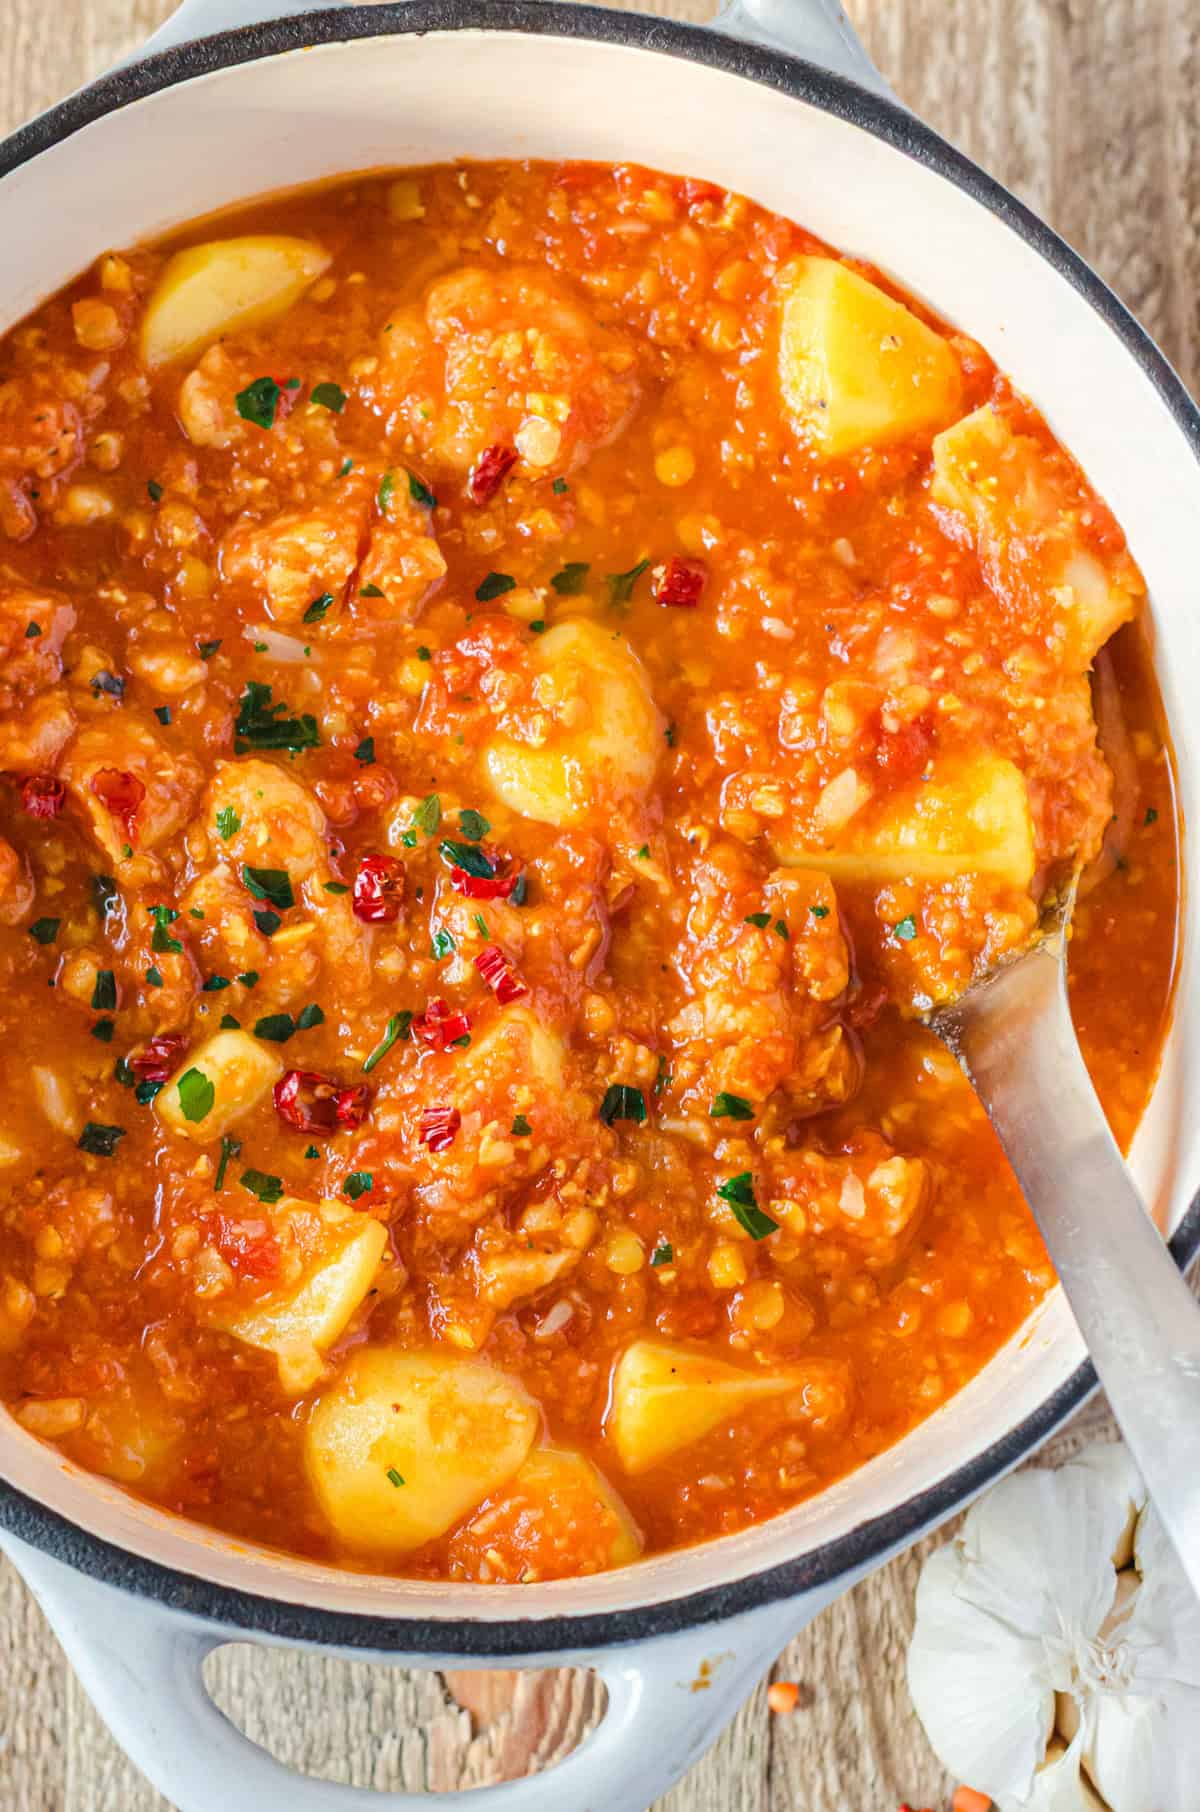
point(263, 725)
point(206, 650)
point(258, 402)
point(538, 626)
point(228, 822)
point(643, 854)
point(276, 1027)
point(819, 912)
point(428, 814)
point(730, 1107)
point(669, 736)
point(162, 941)
point(663, 1254)
point(347, 468)
point(473, 825)
point(780, 929)
point(387, 485)
point(521, 889)
point(103, 1030)
point(104, 681)
point(335, 887)
point(420, 493)
point(100, 1140)
point(267, 1188)
point(318, 608)
point(308, 1017)
point(32, 630)
point(761, 919)
point(359, 1182)
point(494, 586)
point(905, 929)
point(423, 654)
point(122, 1073)
point(1151, 816)
point(739, 1193)
point(329, 396)
point(467, 857)
point(480, 924)
point(620, 585)
point(249, 978)
point(560, 487)
point(229, 1023)
point(365, 751)
point(312, 1151)
point(163, 713)
point(397, 1027)
point(104, 994)
point(154, 976)
point(268, 922)
point(216, 984)
point(272, 884)
point(44, 931)
point(155, 490)
point(572, 578)
point(229, 1149)
point(394, 1477)
point(196, 1095)
point(441, 943)
point(370, 591)
point(521, 1128)
point(621, 1102)
point(145, 1092)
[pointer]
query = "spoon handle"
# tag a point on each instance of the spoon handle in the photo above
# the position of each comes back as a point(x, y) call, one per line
point(1013, 1037)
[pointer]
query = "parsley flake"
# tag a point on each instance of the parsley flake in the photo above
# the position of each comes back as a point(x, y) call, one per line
point(560, 487)
point(267, 1188)
point(398, 1027)
point(258, 402)
point(44, 931)
point(441, 943)
point(473, 825)
point(521, 1128)
point(260, 724)
point(365, 751)
point(155, 490)
point(730, 1107)
point(162, 941)
point(277, 1028)
point(905, 929)
point(761, 919)
point(196, 1095)
point(663, 1254)
point(154, 977)
point(620, 585)
point(268, 922)
point(329, 396)
point(272, 884)
point(494, 586)
point(104, 994)
point(228, 821)
point(428, 814)
point(318, 608)
point(394, 1477)
point(739, 1193)
point(621, 1102)
point(420, 493)
point(467, 857)
point(100, 1140)
point(103, 1030)
point(229, 1149)
point(359, 1182)
point(163, 713)
point(206, 650)
point(308, 1017)
point(570, 581)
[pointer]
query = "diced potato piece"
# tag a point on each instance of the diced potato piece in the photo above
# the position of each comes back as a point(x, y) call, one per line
point(857, 368)
point(558, 1518)
point(301, 1324)
point(603, 735)
point(514, 1048)
point(403, 1445)
point(1022, 515)
point(241, 1071)
point(224, 287)
point(666, 1397)
point(970, 817)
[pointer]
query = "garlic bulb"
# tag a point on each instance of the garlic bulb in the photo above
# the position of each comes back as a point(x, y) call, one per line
point(1055, 1662)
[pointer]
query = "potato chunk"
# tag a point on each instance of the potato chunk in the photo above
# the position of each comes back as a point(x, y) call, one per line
point(224, 287)
point(240, 1070)
point(970, 817)
point(299, 1324)
point(665, 1397)
point(403, 1445)
point(1020, 504)
point(558, 1518)
point(856, 367)
point(597, 735)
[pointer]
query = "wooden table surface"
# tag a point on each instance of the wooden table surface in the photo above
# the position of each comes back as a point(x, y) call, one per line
point(1087, 108)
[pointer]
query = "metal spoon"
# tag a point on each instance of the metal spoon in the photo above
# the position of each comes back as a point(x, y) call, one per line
point(1012, 1034)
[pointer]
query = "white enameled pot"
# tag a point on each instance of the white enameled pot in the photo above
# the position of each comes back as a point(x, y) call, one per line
point(779, 102)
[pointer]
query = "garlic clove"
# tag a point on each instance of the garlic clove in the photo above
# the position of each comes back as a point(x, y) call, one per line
point(1112, 1462)
point(974, 1683)
point(1061, 1785)
point(1164, 1625)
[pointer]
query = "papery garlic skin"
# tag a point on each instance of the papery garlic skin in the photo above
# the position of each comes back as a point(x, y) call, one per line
point(1042, 1674)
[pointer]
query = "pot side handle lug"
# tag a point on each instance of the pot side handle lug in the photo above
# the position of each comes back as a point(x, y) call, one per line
point(817, 30)
point(141, 1664)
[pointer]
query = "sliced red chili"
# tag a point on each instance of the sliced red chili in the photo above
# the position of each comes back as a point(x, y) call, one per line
point(312, 1103)
point(482, 887)
point(121, 794)
point(497, 972)
point(904, 752)
point(679, 583)
point(160, 1057)
point(248, 1247)
point(378, 890)
point(42, 796)
point(439, 1126)
point(438, 1027)
point(489, 472)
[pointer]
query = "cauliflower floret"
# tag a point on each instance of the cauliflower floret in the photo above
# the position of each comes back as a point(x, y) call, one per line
point(16, 886)
point(296, 556)
point(207, 409)
point(505, 359)
point(254, 812)
point(134, 791)
point(404, 563)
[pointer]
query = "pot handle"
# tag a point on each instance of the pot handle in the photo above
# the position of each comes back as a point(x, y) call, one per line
point(817, 30)
point(141, 1663)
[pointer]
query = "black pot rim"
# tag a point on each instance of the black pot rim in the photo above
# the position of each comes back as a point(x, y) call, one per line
point(871, 1542)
